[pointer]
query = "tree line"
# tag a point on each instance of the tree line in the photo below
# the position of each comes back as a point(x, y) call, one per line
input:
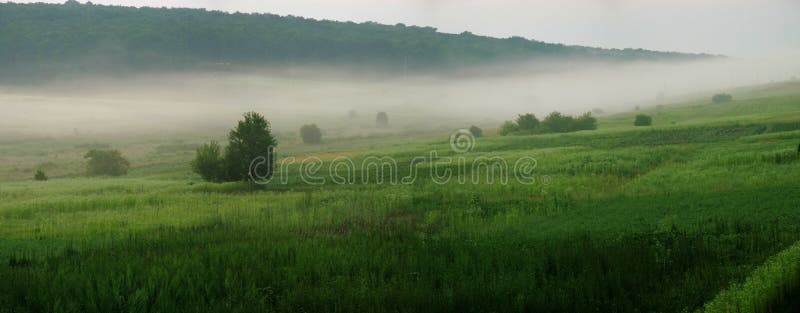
point(74, 37)
point(554, 123)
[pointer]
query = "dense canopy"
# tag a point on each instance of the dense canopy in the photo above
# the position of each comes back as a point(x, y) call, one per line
point(72, 37)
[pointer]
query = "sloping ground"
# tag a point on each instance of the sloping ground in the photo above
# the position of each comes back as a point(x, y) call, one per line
point(773, 287)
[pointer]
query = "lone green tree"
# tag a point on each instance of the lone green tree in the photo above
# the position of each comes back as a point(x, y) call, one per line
point(311, 134)
point(209, 163)
point(382, 120)
point(643, 120)
point(249, 140)
point(106, 163)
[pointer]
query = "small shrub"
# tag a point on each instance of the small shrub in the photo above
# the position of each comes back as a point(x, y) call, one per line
point(382, 120)
point(508, 128)
point(311, 134)
point(208, 162)
point(106, 162)
point(40, 176)
point(476, 131)
point(643, 120)
point(722, 98)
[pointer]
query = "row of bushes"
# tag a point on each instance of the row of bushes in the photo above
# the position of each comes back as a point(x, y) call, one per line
point(100, 163)
point(553, 123)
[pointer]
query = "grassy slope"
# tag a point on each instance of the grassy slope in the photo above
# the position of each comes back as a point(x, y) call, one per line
point(621, 219)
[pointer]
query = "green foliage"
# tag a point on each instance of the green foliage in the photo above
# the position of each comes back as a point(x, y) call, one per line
point(557, 123)
point(553, 123)
point(382, 120)
point(40, 175)
point(476, 131)
point(527, 122)
point(209, 163)
point(311, 134)
point(584, 122)
point(50, 38)
point(643, 120)
point(721, 98)
point(777, 279)
point(249, 140)
point(508, 128)
point(106, 163)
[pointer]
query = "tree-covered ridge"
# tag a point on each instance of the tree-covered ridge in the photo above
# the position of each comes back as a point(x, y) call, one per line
point(72, 36)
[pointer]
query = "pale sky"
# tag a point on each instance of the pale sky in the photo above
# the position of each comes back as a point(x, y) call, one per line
point(732, 27)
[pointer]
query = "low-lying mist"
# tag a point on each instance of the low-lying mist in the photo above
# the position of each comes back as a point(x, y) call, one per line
point(211, 102)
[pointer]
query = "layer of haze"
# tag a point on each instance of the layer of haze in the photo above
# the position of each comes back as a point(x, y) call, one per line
point(212, 102)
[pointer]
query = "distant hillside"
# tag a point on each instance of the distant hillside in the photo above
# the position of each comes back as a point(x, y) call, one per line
point(44, 39)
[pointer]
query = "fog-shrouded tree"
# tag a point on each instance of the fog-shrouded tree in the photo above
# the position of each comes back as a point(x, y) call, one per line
point(40, 175)
point(249, 140)
point(106, 163)
point(643, 120)
point(508, 128)
point(584, 122)
point(527, 122)
point(557, 123)
point(311, 134)
point(721, 98)
point(209, 163)
point(476, 131)
point(382, 120)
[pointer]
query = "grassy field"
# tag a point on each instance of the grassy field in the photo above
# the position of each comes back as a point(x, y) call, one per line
point(699, 212)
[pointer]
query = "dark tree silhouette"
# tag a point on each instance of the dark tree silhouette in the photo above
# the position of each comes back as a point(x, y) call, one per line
point(311, 134)
point(382, 120)
point(476, 131)
point(40, 176)
point(106, 162)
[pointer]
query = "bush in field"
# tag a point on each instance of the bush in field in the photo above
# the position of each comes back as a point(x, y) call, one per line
point(209, 162)
point(251, 139)
point(557, 123)
point(476, 131)
point(584, 122)
point(248, 141)
point(643, 120)
point(722, 98)
point(382, 120)
point(508, 128)
point(527, 122)
point(106, 162)
point(40, 176)
point(311, 134)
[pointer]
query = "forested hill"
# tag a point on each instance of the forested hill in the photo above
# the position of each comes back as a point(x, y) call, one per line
point(74, 37)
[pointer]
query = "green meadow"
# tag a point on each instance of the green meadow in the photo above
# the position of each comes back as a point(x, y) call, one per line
point(698, 212)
